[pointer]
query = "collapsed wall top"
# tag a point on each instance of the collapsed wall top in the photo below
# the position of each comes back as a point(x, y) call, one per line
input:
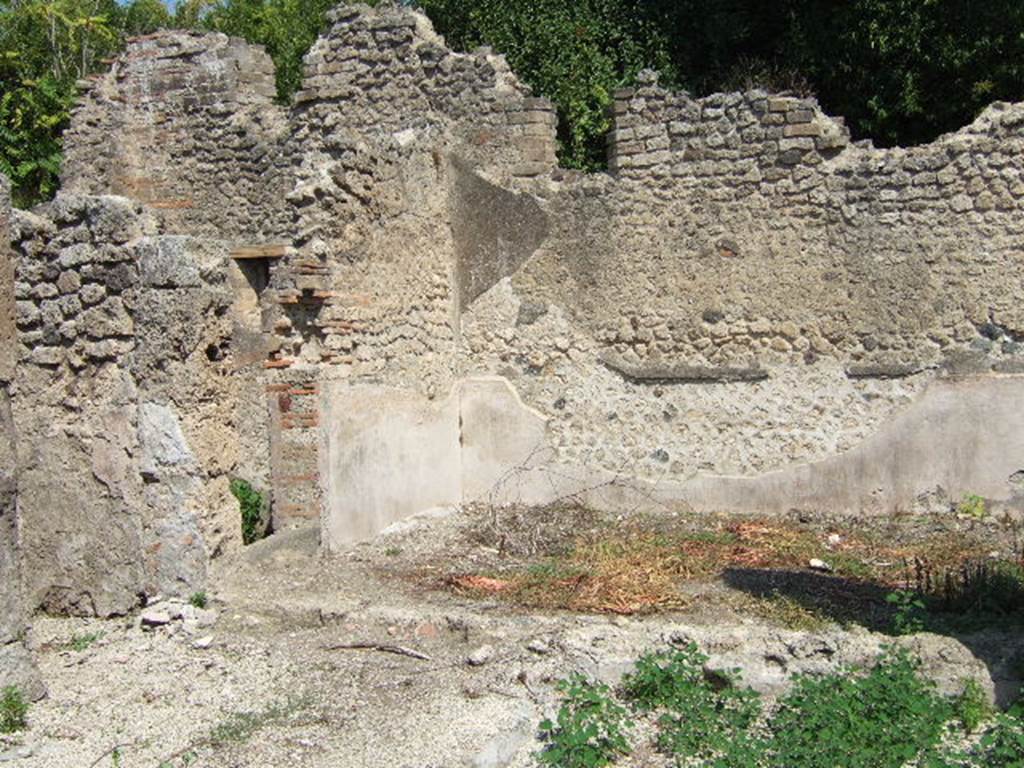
point(184, 122)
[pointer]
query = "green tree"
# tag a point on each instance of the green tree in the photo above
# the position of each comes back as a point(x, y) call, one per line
point(45, 46)
point(575, 53)
point(286, 28)
point(143, 17)
point(904, 71)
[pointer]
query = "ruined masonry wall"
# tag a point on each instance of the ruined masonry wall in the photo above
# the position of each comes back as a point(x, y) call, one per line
point(745, 291)
point(186, 124)
point(131, 419)
point(368, 287)
point(16, 666)
point(749, 291)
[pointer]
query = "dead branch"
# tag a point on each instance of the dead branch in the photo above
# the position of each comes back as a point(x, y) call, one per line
point(398, 650)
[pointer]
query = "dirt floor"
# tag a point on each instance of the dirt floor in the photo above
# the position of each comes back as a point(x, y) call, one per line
point(439, 643)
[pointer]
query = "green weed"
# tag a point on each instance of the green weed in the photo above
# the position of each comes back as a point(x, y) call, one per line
point(80, 643)
point(972, 707)
point(704, 715)
point(972, 505)
point(13, 710)
point(590, 728)
point(1003, 745)
point(910, 612)
point(198, 599)
point(885, 717)
point(253, 507)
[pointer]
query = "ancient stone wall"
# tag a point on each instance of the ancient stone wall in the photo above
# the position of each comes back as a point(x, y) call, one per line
point(186, 124)
point(385, 118)
point(818, 288)
point(16, 667)
point(747, 295)
point(134, 405)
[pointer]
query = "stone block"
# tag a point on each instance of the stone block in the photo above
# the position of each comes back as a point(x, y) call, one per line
point(805, 129)
point(782, 104)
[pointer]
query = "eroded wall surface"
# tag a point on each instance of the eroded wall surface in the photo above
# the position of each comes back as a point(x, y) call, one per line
point(186, 124)
point(746, 291)
point(16, 666)
point(742, 308)
point(134, 406)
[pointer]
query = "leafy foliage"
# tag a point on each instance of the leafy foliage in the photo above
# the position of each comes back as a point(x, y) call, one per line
point(286, 28)
point(972, 505)
point(972, 708)
point(575, 53)
point(886, 717)
point(909, 611)
point(13, 710)
point(253, 507)
point(704, 715)
point(1003, 745)
point(883, 717)
point(590, 728)
point(45, 47)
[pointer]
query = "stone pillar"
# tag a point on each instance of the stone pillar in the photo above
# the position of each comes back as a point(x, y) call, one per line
point(16, 665)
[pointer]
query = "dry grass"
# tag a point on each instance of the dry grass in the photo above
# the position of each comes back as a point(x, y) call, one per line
point(582, 562)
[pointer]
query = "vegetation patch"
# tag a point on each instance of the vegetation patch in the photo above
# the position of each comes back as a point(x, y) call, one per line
point(253, 506)
point(886, 716)
point(590, 729)
point(237, 728)
point(81, 642)
point(794, 574)
point(13, 710)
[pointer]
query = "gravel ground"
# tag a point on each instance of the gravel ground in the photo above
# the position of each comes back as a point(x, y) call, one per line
point(267, 684)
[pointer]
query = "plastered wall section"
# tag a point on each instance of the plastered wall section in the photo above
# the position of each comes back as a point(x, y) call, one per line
point(389, 454)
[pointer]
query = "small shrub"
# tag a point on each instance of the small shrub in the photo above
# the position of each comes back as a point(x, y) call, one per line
point(13, 710)
point(972, 505)
point(198, 599)
point(253, 507)
point(1003, 745)
point(910, 612)
point(590, 731)
point(706, 716)
point(665, 679)
point(884, 718)
point(80, 643)
point(972, 707)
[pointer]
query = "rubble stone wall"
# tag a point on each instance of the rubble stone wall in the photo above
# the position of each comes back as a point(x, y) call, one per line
point(186, 124)
point(135, 404)
point(745, 292)
point(16, 667)
point(729, 301)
